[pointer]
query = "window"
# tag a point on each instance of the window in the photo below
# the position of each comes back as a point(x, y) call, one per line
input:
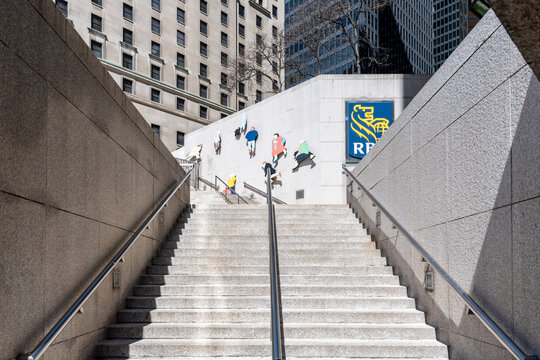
point(155, 72)
point(204, 7)
point(203, 112)
point(181, 105)
point(180, 60)
point(224, 99)
point(180, 38)
point(156, 26)
point(224, 39)
point(258, 39)
point(156, 49)
point(258, 58)
point(97, 2)
point(242, 88)
point(204, 70)
point(258, 21)
point(180, 82)
point(259, 77)
point(258, 96)
point(274, 49)
point(241, 11)
point(224, 18)
point(155, 5)
point(274, 11)
point(127, 36)
point(204, 49)
point(180, 136)
point(97, 49)
point(204, 28)
point(275, 86)
point(127, 61)
point(128, 12)
point(274, 67)
point(127, 85)
point(241, 105)
point(203, 91)
point(241, 49)
point(274, 31)
point(180, 16)
point(156, 129)
point(224, 79)
point(241, 30)
point(224, 2)
point(154, 95)
point(224, 59)
point(62, 6)
point(97, 23)
point(223, 115)
point(241, 69)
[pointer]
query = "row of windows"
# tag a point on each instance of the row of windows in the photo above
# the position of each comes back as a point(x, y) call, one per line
point(180, 136)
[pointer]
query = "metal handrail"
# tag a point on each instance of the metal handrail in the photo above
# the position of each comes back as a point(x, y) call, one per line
point(484, 318)
point(275, 297)
point(235, 192)
point(209, 183)
point(72, 311)
point(262, 193)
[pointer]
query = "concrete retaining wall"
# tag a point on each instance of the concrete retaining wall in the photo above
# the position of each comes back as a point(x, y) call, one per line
point(79, 170)
point(314, 111)
point(460, 170)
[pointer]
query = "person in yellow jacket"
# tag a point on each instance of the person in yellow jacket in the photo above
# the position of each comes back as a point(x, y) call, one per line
point(231, 183)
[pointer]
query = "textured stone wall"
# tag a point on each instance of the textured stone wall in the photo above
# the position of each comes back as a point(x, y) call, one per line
point(459, 169)
point(79, 170)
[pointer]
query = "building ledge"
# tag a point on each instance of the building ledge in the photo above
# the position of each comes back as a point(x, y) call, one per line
point(128, 46)
point(97, 33)
point(156, 58)
point(225, 87)
point(260, 8)
point(182, 69)
point(204, 78)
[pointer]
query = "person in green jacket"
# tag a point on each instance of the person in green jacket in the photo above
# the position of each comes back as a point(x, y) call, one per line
point(302, 153)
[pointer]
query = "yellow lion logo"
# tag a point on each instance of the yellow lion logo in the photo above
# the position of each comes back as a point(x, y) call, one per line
point(366, 126)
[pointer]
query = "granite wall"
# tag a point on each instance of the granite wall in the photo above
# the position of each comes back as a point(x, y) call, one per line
point(459, 169)
point(79, 170)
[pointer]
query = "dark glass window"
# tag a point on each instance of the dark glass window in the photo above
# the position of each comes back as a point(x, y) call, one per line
point(180, 105)
point(180, 38)
point(241, 49)
point(180, 16)
point(274, 11)
point(180, 135)
point(223, 115)
point(203, 112)
point(203, 91)
point(258, 21)
point(154, 95)
point(97, 49)
point(156, 4)
point(224, 59)
point(204, 7)
point(242, 88)
point(241, 105)
point(274, 31)
point(258, 96)
point(259, 77)
point(224, 99)
point(241, 30)
point(156, 48)
point(63, 6)
point(97, 23)
point(224, 79)
point(128, 12)
point(204, 28)
point(156, 26)
point(224, 39)
point(156, 129)
point(204, 70)
point(224, 18)
point(258, 39)
point(155, 72)
point(127, 61)
point(274, 67)
point(181, 82)
point(258, 59)
point(97, 2)
point(180, 60)
point(204, 49)
point(127, 85)
point(127, 36)
point(275, 85)
point(241, 10)
point(224, 2)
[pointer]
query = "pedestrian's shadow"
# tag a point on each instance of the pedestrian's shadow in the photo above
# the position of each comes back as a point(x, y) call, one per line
point(306, 162)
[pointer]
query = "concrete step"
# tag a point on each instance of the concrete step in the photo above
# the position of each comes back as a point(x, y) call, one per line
point(307, 280)
point(280, 231)
point(264, 289)
point(382, 316)
point(281, 238)
point(261, 302)
point(289, 245)
point(280, 207)
point(264, 269)
point(249, 227)
point(263, 252)
point(247, 260)
point(201, 220)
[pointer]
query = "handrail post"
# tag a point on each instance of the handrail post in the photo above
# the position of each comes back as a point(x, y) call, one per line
point(478, 311)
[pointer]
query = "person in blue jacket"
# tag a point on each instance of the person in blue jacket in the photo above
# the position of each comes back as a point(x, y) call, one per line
point(251, 137)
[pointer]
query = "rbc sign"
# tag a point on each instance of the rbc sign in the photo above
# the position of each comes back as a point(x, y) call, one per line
point(366, 123)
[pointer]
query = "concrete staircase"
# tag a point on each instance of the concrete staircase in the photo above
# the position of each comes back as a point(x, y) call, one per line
point(207, 295)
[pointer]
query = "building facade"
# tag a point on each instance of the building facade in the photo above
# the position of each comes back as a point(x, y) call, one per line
point(416, 37)
point(175, 58)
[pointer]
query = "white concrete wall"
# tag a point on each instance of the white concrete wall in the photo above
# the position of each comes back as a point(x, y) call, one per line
point(460, 170)
point(315, 111)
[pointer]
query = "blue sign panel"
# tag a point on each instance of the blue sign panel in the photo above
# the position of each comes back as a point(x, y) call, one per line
point(366, 123)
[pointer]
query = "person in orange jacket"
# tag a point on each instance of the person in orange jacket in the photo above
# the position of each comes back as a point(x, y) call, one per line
point(278, 147)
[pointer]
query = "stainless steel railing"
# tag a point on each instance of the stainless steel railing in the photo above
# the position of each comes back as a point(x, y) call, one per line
point(77, 305)
point(481, 314)
point(275, 297)
point(233, 192)
point(262, 193)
